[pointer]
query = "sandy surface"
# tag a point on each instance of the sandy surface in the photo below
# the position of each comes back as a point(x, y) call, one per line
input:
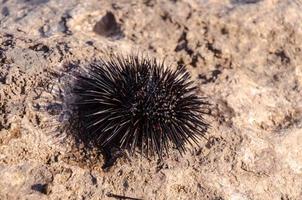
point(246, 56)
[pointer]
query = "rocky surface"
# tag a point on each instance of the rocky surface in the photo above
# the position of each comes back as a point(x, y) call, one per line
point(245, 55)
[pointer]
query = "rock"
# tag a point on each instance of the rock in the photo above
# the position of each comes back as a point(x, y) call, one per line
point(245, 55)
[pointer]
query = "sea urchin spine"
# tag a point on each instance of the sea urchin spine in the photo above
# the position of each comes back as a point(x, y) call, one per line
point(136, 102)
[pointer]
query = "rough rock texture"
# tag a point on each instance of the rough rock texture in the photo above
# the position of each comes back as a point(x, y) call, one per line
point(245, 55)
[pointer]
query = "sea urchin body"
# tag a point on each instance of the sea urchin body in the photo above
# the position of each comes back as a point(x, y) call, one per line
point(134, 102)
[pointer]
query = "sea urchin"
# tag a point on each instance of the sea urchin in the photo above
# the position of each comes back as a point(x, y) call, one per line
point(136, 102)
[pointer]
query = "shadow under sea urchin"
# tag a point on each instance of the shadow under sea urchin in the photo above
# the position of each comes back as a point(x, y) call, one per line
point(136, 102)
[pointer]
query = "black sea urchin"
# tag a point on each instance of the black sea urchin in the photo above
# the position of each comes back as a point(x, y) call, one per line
point(136, 102)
